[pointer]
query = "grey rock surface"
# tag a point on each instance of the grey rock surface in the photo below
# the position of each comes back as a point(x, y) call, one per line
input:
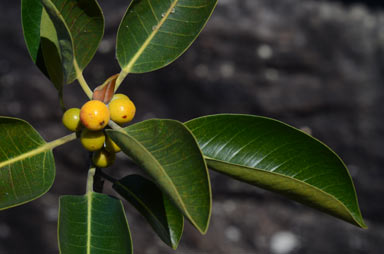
point(312, 64)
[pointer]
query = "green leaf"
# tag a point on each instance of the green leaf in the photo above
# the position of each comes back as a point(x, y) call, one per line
point(27, 167)
point(275, 156)
point(170, 155)
point(31, 15)
point(161, 214)
point(63, 36)
point(153, 33)
point(42, 43)
point(93, 223)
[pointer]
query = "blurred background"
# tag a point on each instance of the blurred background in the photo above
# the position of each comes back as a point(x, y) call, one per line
point(317, 65)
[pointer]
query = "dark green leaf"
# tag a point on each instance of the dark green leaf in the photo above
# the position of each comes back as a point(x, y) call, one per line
point(161, 214)
point(62, 36)
point(93, 223)
point(55, 34)
point(169, 153)
point(278, 157)
point(42, 44)
point(31, 14)
point(153, 33)
point(27, 167)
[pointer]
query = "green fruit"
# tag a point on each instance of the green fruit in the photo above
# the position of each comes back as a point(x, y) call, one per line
point(103, 158)
point(92, 140)
point(111, 146)
point(71, 119)
point(119, 96)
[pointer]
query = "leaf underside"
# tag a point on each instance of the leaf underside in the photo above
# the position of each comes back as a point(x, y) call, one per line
point(94, 223)
point(27, 167)
point(275, 156)
point(148, 199)
point(153, 33)
point(168, 152)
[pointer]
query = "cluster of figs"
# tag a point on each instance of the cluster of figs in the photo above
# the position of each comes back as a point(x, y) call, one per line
point(90, 122)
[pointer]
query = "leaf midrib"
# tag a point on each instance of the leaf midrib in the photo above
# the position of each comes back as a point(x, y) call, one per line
point(89, 220)
point(45, 147)
point(133, 60)
point(40, 149)
point(163, 172)
point(77, 69)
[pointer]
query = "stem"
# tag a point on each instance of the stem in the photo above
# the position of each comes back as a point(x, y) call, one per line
point(123, 74)
point(114, 125)
point(106, 177)
point(91, 174)
point(98, 182)
point(82, 82)
point(61, 99)
point(61, 141)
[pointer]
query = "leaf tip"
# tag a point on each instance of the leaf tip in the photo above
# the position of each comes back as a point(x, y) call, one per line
point(203, 229)
point(360, 223)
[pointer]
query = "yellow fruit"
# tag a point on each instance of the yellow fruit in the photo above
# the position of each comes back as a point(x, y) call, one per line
point(103, 158)
point(119, 96)
point(94, 115)
point(71, 119)
point(122, 110)
point(92, 140)
point(111, 146)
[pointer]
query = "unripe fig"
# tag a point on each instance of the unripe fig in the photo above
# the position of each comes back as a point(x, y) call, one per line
point(111, 146)
point(119, 96)
point(102, 158)
point(92, 140)
point(71, 119)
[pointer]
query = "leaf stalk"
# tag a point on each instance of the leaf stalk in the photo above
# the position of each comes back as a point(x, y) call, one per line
point(91, 174)
point(106, 176)
point(114, 125)
point(82, 82)
point(122, 75)
point(61, 141)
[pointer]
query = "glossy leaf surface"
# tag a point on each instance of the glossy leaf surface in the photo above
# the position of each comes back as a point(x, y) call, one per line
point(27, 167)
point(153, 33)
point(170, 155)
point(160, 212)
point(63, 34)
point(93, 224)
point(278, 157)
